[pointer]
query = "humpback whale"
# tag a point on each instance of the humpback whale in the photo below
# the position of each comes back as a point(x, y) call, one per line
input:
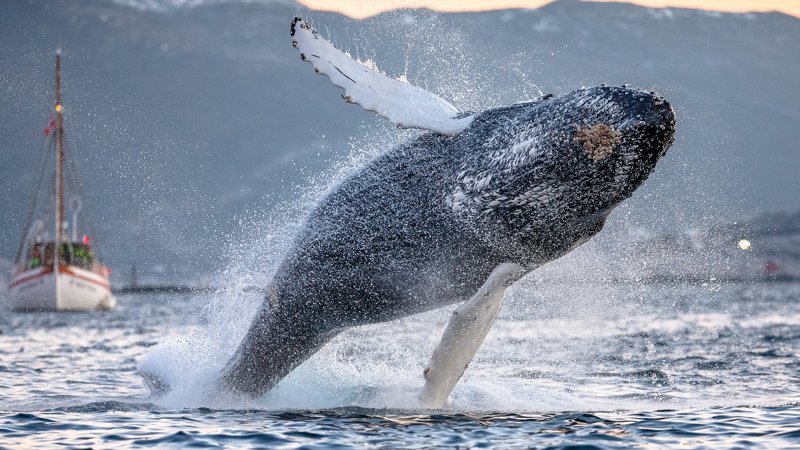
point(455, 215)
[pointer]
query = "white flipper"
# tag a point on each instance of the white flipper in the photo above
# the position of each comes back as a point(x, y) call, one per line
point(464, 334)
point(404, 104)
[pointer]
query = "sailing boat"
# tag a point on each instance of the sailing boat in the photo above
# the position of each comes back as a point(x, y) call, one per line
point(57, 272)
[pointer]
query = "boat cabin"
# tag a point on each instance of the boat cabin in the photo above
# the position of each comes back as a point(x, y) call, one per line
point(75, 254)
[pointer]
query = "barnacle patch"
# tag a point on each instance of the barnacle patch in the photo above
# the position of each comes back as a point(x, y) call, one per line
point(598, 141)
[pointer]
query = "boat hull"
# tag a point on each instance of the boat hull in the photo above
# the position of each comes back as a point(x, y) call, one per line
point(69, 289)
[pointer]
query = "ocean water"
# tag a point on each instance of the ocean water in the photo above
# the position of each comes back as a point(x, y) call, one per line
point(584, 364)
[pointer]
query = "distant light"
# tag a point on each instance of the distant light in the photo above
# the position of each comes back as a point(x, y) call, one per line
point(86, 239)
point(744, 244)
point(58, 108)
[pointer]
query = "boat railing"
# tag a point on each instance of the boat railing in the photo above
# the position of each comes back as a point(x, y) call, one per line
point(101, 269)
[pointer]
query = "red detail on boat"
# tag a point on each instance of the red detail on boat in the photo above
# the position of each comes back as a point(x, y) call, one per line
point(15, 283)
point(67, 271)
point(50, 126)
point(62, 270)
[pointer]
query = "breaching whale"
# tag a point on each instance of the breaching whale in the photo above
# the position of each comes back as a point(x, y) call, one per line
point(455, 215)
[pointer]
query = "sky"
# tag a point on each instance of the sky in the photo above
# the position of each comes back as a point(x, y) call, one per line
point(365, 8)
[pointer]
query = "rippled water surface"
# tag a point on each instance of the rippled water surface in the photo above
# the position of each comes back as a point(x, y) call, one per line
point(604, 365)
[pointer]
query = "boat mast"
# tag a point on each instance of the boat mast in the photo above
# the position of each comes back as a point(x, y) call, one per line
point(59, 138)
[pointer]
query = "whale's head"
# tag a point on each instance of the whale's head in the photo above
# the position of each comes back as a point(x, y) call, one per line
point(548, 172)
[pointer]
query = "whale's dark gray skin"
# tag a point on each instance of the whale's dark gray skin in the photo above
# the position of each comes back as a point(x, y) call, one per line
point(424, 224)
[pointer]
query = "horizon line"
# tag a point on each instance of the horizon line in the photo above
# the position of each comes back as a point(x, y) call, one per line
point(357, 9)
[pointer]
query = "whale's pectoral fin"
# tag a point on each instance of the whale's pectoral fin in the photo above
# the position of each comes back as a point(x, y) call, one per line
point(404, 104)
point(464, 334)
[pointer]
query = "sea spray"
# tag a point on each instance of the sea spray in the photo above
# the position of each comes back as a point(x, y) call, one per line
point(190, 362)
point(386, 378)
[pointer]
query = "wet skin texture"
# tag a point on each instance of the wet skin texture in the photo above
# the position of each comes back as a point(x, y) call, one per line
point(424, 224)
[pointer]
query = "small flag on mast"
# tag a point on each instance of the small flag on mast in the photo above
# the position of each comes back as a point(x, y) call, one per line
point(50, 126)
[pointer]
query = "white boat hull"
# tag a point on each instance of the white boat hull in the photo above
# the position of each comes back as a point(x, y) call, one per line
point(69, 289)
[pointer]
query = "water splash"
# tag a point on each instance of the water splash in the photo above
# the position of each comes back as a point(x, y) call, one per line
point(529, 361)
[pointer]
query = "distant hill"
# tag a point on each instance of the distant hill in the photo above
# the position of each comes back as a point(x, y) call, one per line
point(188, 119)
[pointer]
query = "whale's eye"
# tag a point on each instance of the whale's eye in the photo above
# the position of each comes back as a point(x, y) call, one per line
point(598, 140)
